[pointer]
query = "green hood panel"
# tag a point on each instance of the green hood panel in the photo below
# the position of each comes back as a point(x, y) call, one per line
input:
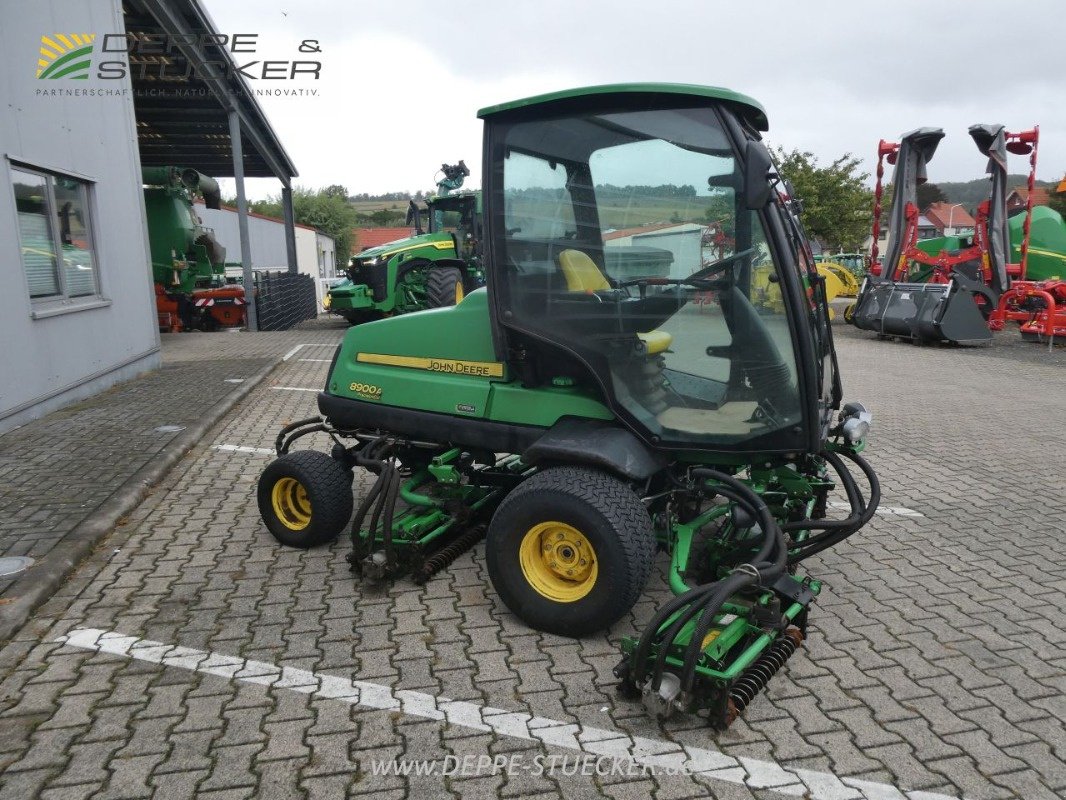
point(437, 242)
point(442, 360)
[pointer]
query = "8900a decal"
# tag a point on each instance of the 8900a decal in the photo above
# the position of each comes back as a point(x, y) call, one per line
point(366, 390)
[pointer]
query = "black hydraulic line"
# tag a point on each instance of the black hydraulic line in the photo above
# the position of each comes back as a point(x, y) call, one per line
point(763, 575)
point(817, 545)
point(727, 587)
point(291, 427)
point(300, 433)
point(755, 504)
point(851, 488)
point(868, 508)
point(366, 458)
point(743, 495)
point(651, 631)
point(670, 634)
point(390, 508)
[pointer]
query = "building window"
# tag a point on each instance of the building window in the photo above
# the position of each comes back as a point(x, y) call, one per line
point(55, 234)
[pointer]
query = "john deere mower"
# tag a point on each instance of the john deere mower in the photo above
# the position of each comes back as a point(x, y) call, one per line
point(580, 422)
point(428, 270)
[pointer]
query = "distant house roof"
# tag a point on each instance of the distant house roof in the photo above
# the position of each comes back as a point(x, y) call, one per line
point(923, 222)
point(949, 215)
point(363, 238)
point(622, 233)
point(1019, 195)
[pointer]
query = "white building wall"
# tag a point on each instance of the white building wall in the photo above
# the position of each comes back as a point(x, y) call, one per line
point(267, 243)
point(51, 359)
point(266, 237)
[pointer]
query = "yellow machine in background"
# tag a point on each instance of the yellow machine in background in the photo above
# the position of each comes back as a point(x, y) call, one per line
point(839, 282)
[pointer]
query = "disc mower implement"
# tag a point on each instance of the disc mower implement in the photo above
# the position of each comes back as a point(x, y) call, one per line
point(891, 305)
point(957, 289)
point(603, 400)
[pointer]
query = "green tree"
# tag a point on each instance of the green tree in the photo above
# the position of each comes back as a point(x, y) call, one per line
point(837, 206)
point(336, 190)
point(929, 193)
point(325, 209)
point(329, 213)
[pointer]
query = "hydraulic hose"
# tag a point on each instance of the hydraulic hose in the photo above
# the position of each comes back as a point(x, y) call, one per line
point(855, 500)
point(726, 588)
point(709, 598)
point(833, 537)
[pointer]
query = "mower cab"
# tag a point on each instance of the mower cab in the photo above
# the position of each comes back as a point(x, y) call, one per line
point(620, 386)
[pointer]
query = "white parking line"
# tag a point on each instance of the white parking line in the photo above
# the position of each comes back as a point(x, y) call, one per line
point(294, 389)
point(887, 511)
point(300, 347)
point(237, 448)
point(319, 360)
point(655, 753)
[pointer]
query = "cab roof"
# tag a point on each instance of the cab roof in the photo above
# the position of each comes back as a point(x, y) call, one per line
point(750, 108)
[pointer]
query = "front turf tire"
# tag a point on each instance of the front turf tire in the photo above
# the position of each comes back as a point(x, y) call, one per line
point(570, 550)
point(305, 498)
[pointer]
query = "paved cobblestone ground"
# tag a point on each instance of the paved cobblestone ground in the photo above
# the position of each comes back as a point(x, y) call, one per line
point(936, 660)
point(56, 471)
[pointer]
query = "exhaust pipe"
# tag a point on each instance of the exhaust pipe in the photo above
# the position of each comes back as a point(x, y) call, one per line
point(192, 180)
point(208, 187)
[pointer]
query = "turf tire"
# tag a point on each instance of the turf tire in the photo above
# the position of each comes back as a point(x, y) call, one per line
point(329, 492)
point(610, 516)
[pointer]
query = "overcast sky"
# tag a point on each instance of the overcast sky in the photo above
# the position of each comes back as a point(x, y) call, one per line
point(402, 81)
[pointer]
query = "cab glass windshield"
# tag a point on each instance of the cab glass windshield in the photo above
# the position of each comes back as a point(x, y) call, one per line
point(625, 240)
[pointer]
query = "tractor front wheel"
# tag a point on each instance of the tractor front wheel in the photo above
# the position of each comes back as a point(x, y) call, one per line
point(444, 287)
point(570, 550)
point(305, 498)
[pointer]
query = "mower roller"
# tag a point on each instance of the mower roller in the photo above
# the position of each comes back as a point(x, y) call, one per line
point(579, 421)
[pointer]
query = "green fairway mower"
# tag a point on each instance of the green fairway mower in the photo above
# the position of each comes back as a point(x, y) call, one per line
point(580, 421)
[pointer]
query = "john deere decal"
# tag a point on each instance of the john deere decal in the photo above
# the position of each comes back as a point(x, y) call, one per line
point(65, 55)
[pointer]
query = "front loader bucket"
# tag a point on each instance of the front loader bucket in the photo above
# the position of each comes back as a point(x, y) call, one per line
point(926, 312)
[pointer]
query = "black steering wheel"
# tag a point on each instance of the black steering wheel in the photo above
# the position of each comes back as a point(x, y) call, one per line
point(720, 266)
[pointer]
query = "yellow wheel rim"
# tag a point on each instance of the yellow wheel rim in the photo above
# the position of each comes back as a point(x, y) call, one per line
point(459, 293)
point(558, 561)
point(291, 504)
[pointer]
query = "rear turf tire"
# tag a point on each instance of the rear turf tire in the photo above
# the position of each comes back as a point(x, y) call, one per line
point(305, 498)
point(547, 525)
point(444, 287)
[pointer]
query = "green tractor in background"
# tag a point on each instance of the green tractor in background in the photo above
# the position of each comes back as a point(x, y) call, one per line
point(581, 417)
point(428, 270)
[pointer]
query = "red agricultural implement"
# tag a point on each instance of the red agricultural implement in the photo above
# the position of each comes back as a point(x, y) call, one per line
point(962, 293)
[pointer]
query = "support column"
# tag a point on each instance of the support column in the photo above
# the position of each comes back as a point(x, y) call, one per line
point(242, 219)
point(290, 226)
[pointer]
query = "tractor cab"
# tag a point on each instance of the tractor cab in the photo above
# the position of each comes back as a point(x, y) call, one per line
point(460, 215)
point(729, 348)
